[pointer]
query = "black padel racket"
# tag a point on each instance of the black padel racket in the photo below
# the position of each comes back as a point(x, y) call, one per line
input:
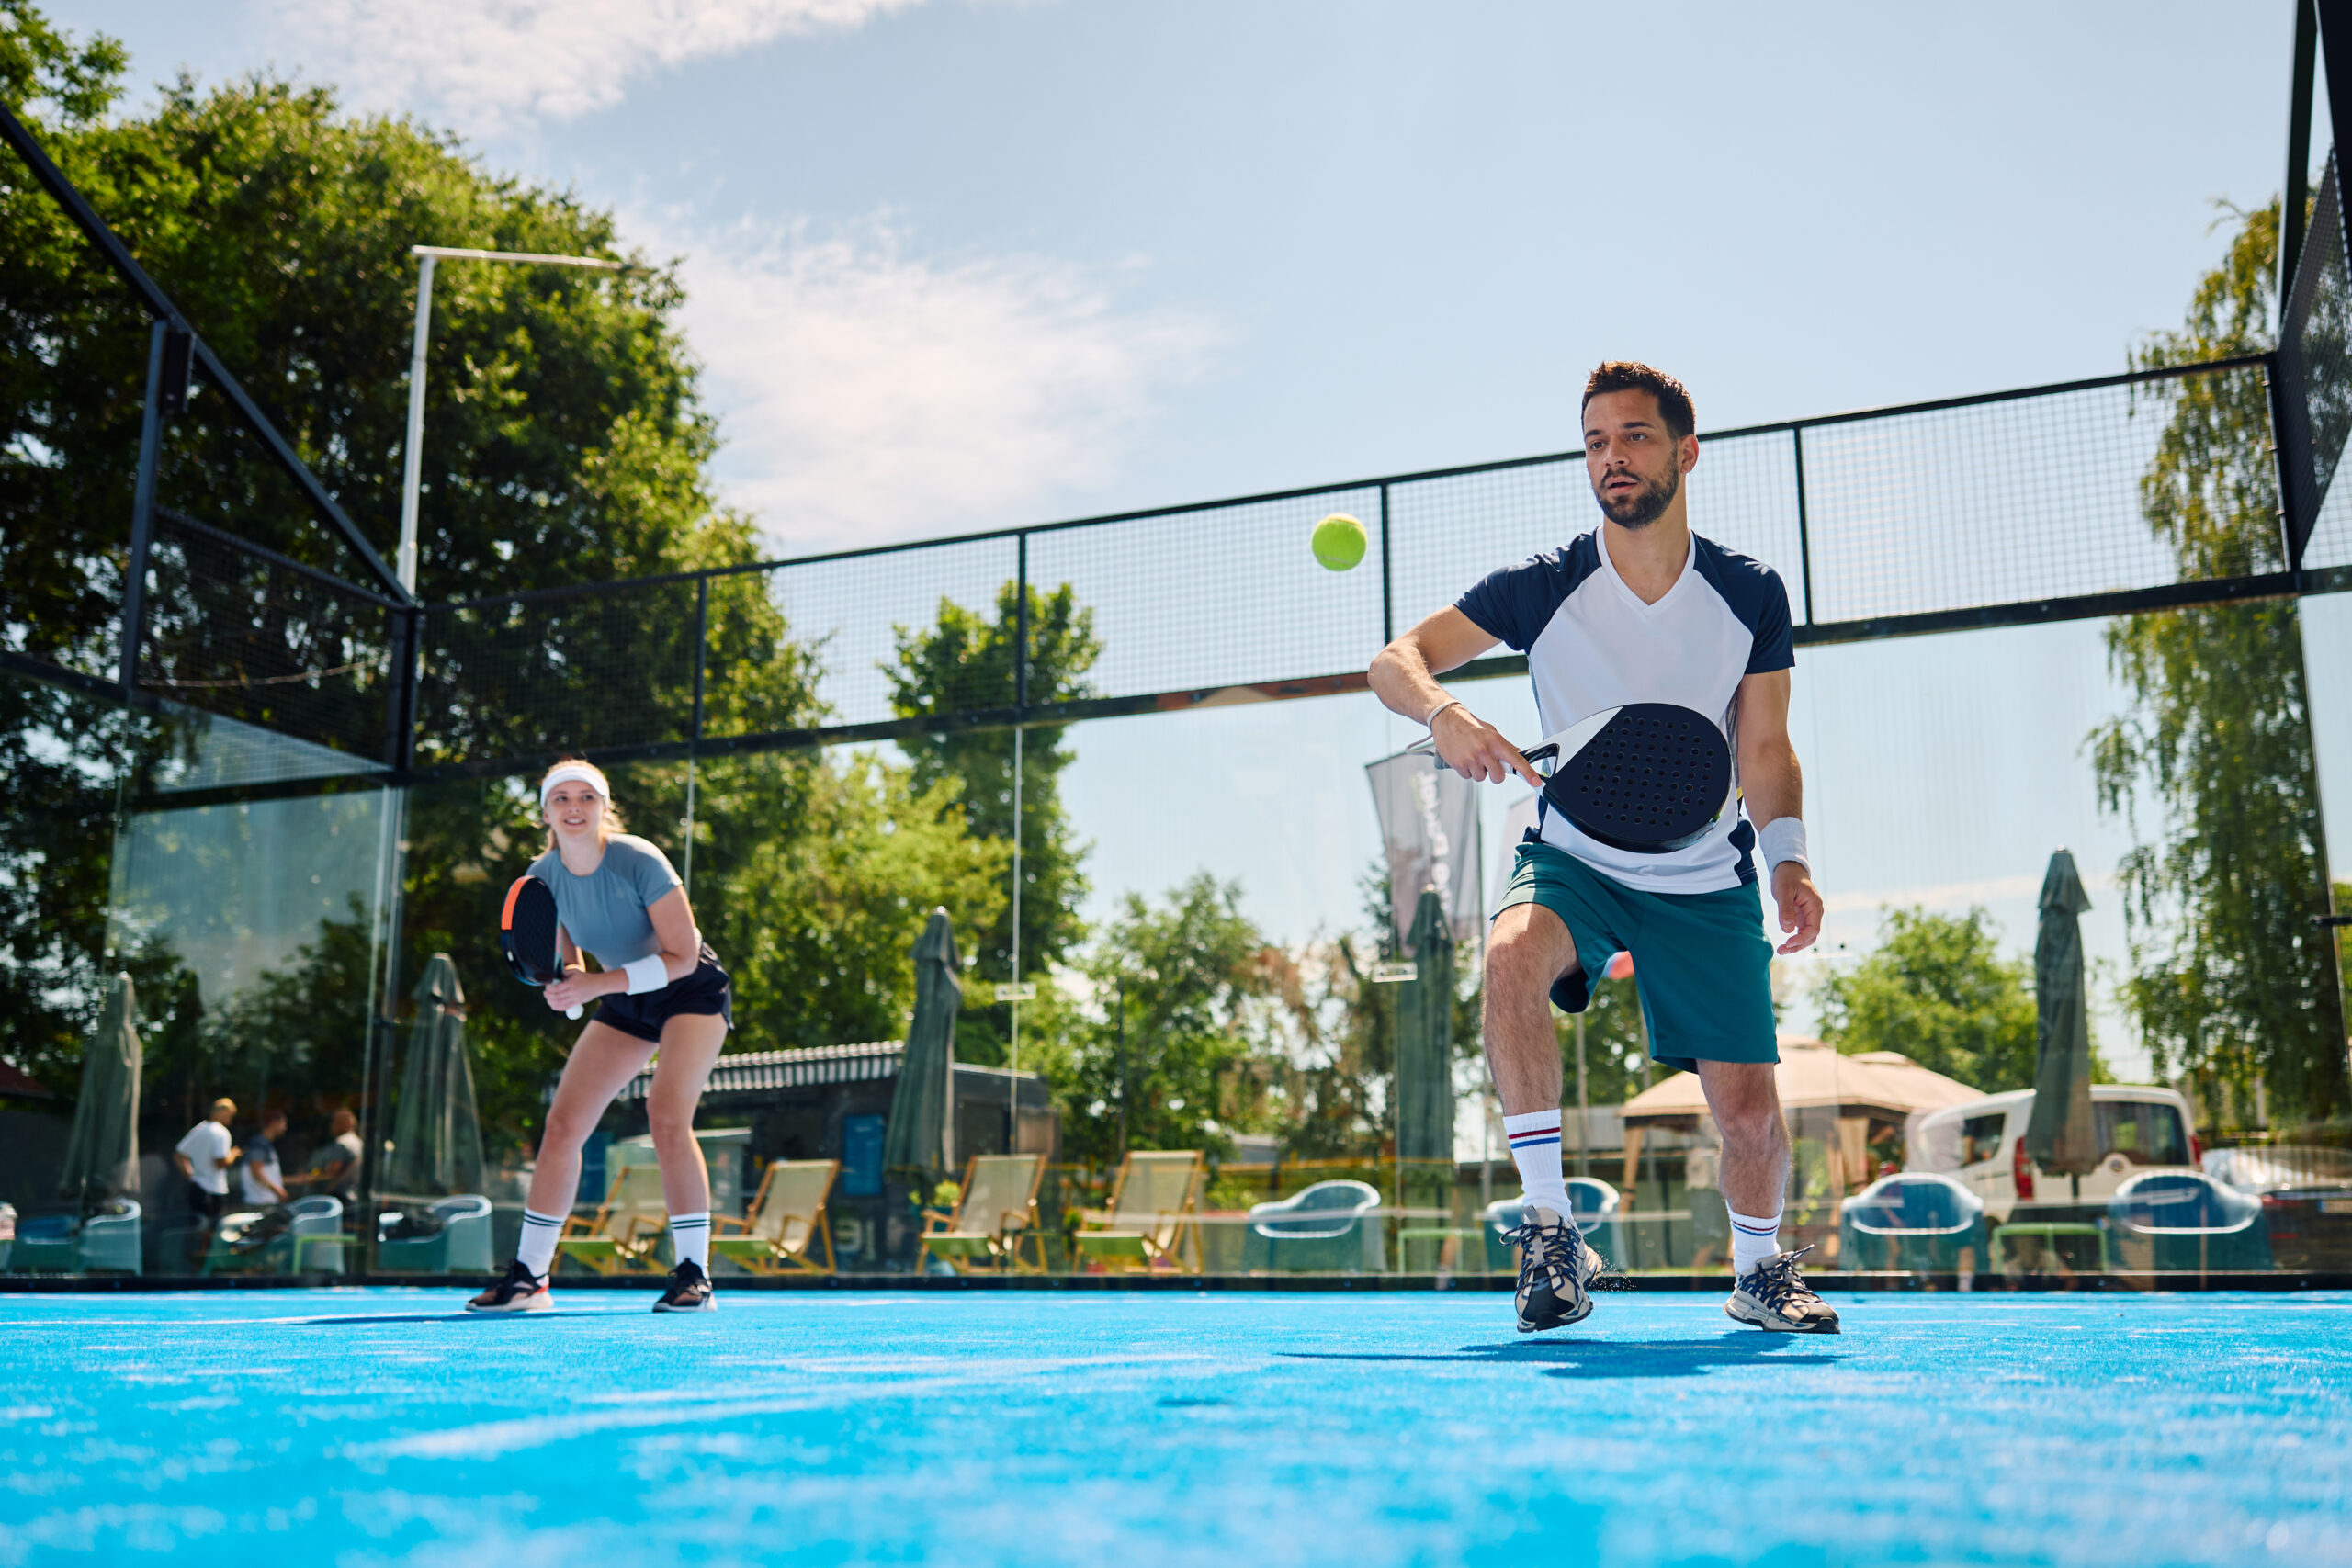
point(526, 929)
point(1649, 778)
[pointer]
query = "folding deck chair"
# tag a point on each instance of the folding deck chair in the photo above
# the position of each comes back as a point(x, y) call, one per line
point(1149, 1221)
point(626, 1229)
point(786, 1231)
point(996, 1218)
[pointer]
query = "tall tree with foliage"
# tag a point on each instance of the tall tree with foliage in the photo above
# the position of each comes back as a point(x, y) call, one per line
point(1177, 1059)
point(1937, 990)
point(2230, 977)
point(565, 442)
point(965, 662)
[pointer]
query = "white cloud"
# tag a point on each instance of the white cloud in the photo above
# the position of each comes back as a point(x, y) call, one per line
point(869, 393)
point(484, 65)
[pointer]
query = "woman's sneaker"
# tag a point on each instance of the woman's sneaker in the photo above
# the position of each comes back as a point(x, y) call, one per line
point(1554, 1267)
point(688, 1289)
point(521, 1291)
point(1773, 1295)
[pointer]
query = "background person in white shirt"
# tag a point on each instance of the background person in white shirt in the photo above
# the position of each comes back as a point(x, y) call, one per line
point(204, 1157)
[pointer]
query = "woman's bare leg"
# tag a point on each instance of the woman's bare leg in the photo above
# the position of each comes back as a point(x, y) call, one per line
point(690, 1043)
point(603, 1061)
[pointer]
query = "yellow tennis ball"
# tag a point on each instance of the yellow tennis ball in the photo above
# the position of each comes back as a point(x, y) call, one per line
point(1338, 541)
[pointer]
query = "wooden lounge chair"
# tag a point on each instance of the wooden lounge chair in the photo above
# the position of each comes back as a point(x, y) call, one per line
point(1148, 1223)
point(786, 1231)
point(625, 1231)
point(996, 1218)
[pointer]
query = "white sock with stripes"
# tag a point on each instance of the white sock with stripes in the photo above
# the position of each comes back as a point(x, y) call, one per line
point(690, 1239)
point(1536, 1149)
point(1754, 1238)
point(536, 1251)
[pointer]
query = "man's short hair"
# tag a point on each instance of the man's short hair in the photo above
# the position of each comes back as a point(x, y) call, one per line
point(1632, 376)
point(224, 1103)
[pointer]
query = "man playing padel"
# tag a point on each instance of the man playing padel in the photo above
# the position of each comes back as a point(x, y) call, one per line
point(1641, 610)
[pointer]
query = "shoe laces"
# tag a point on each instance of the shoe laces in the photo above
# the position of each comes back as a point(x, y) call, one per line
point(1553, 1245)
point(1778, 1280)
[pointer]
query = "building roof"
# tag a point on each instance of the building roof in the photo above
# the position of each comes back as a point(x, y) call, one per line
point(1812, 1076)
point(753, 1072)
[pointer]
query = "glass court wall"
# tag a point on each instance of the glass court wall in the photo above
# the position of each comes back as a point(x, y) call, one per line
point(824, 750)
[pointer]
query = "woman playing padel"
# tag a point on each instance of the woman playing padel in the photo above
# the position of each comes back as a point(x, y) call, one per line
point(659, 985)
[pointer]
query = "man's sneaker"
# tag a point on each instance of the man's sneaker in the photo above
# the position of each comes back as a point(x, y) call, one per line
point(688, 1289)
point(1773, 1295)
point(521, 1291)
point(1554, 1267)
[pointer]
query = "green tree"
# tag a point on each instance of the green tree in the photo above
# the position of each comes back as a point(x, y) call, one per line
point(1937, 990)
point(2230, 977)
point(965, 663)
point(565, 442)
point(1177, 1060)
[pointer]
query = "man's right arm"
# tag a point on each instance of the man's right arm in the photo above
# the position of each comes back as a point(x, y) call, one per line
point(1404, 676)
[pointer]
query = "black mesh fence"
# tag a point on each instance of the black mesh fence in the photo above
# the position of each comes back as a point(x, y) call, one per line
point(1869, 518)
point(2007, 501)
point(611, 668)
point(244, 632)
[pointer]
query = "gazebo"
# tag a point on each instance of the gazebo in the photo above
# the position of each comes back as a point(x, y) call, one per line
point(1845, 1101)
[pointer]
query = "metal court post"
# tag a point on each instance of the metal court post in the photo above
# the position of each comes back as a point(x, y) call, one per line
point(142, 512)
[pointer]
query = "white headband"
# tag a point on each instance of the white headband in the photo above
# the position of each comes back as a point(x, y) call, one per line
point(573, 772)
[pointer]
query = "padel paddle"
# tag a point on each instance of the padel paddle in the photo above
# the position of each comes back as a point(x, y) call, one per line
point(1648, 778)
point(526, 930)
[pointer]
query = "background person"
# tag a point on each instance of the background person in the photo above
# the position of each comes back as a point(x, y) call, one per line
point(260, 1179)
point(334, 1168)
point(1640, 610)
point(660, 985)
point(204, 1156)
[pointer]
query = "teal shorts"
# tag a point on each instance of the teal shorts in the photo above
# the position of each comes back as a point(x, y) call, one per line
point(1704, 962)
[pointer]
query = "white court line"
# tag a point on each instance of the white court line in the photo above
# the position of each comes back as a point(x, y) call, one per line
point(490, 1438)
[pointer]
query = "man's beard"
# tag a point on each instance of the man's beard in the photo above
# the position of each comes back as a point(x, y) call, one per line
point(1645, 505)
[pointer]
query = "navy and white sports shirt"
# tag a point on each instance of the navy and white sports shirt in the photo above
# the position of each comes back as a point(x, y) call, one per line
point(1592, 644)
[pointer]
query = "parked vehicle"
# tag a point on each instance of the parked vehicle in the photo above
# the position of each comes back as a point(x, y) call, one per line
point(2140, 1128)
point(2306, 1193)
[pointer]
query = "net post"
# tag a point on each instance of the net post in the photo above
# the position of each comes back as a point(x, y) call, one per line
point(399, 718)
point(2297, 190)
point(142, 512)
point(694, 735)
point(1387, 579)
point(1804, 529)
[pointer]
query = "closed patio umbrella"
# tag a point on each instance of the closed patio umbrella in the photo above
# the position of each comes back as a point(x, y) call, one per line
point(2061, 1137)
point(437, 1133)
point(102, 1152)
point(915, 1140)
point(1425, 1039)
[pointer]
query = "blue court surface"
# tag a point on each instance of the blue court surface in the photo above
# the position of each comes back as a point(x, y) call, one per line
point(349, 1427)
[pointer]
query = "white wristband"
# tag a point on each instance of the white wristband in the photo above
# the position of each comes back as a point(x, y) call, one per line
point(1431, 722)
point(1783, 839)
point(647, 973)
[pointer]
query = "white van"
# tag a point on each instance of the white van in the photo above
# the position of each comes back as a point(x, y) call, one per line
point(2140, 1127)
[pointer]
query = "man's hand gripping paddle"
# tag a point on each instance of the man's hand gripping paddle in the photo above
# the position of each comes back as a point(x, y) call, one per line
point(526, 930)
point(1648, 778)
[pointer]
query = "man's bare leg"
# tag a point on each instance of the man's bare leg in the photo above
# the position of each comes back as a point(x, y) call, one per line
point(1527, 949)
point(1767, 1292)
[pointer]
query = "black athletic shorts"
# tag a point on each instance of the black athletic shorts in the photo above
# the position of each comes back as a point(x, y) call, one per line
point(206, 1205)
point(706, 991)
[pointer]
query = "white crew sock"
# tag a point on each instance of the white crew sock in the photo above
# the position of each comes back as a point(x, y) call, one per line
point(536, 1251)
point(690, 1239)
point(1754, 1238)
point(1536, 1149)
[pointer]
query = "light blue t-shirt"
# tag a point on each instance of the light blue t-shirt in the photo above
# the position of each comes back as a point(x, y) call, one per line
point(604, 911)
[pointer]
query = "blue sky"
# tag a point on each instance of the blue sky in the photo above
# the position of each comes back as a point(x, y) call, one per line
point(956, 266)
